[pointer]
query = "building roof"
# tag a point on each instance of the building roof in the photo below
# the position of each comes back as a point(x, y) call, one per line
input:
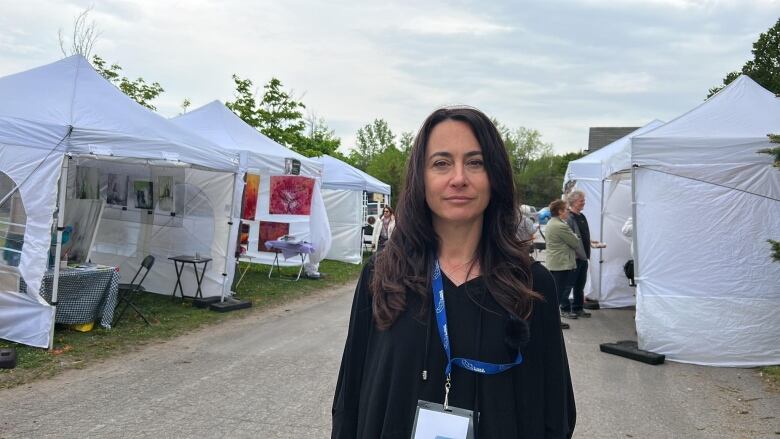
point(602, 136)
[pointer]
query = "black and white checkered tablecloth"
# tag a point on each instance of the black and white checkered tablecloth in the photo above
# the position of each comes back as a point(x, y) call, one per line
point(84, 294)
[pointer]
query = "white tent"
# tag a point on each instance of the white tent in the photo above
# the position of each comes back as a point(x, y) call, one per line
point(264, 157)
point(607, 207)
point(705, 203)
point(344, 188)
point(66, 109)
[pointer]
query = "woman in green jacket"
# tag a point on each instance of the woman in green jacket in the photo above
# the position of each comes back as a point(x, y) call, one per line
point(562, 248)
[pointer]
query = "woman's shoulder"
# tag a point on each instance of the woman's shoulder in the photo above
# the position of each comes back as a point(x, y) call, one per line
point(543, 281)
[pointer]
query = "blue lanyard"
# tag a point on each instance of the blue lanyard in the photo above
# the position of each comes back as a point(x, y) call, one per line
point(441, 321)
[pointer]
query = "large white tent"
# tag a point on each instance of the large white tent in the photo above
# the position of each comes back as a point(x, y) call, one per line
point(705, 203)
point(602, 177)
point(66, 116)
point(343, 189)
point(265, 158)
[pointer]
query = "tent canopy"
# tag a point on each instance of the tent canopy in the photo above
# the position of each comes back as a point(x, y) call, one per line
point(216, 122)
point(339, 175)
point(39, 107)
point(727, 128)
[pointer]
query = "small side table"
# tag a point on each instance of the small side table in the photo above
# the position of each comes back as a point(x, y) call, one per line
point(288, 249)
point(184, 259)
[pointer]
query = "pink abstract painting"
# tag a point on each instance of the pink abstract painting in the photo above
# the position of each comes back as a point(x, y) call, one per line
point(271, 231)
point(291, 195)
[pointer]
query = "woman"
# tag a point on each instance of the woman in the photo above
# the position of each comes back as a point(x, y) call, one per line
point(384, 229)
point(563, 246)
point(456, 229)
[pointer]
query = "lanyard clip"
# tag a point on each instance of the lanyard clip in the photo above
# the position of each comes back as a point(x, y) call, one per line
point(447, 386)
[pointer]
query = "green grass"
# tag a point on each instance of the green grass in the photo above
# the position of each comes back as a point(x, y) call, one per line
point(75, 350)
point(772, 375)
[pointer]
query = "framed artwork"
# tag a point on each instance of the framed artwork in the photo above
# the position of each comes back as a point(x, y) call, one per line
point(116, 190)
point(270, 231)
point(165, 193)
point(292, 166)
point(87, 185)
point(143, 194)
point(251, 190)
point(291, 195)
point(243, 238)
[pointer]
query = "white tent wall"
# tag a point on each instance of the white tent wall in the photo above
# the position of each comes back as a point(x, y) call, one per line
point(202, 199)
point(28, 318)
point(345, 215)
point(708, 289)
point(614, 289)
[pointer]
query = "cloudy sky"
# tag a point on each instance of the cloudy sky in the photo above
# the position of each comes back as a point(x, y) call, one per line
point(559, 66)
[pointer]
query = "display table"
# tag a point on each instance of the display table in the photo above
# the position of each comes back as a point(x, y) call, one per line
point(84, 294)
point(288, 249)
point(195, 261)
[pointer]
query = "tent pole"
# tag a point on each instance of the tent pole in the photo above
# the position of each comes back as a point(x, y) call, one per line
point(601, 239)
point(635, 255)
point(232, 222)
point(60, 226)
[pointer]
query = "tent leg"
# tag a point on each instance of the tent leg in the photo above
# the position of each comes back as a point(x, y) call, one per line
point(60, 226)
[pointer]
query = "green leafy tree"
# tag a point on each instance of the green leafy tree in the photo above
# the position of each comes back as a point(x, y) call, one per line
point(540, 181)
point(389, 166)
point(523, 145)
point(319, 140)
point(276, 114)
point(406, 141)
point(764, 68)
point(371, 140)
point(138, 89)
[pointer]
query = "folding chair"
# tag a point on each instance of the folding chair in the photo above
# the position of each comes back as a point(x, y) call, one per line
point(127, 291)
point(368, 232)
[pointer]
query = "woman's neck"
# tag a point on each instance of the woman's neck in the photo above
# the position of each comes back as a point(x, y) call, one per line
point(458, 243)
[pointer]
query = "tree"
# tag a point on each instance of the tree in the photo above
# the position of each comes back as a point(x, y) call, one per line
point(523, 145)
point(764, 68)
point(83, 37)
point(137, 89)
point(372, 139)
point(276, 114)
point(406, 142)
point(541, 180)
point(389, 166)
point(319, 140)
point(185, 105)
point(774, 138)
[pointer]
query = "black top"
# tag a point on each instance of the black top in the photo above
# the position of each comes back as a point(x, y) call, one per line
point(583, 230)
point(380, 379)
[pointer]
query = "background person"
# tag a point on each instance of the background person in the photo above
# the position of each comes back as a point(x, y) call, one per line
point(457, 224)
point(384, 228)
point(579, 224)
point(562, 249)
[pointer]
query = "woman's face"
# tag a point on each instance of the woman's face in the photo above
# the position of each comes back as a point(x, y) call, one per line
point(386, 213)
point(457, 188)
point(563, 214)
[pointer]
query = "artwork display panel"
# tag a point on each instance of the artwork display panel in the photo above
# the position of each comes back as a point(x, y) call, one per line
point(143, 194)
point(251, 191)
point(87, 184)
point(165, 193)
point(291, 195)
point(116, 190)
point(82, 218)
point(270, 231)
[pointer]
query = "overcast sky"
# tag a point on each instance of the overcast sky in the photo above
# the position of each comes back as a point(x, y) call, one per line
point(556, 66)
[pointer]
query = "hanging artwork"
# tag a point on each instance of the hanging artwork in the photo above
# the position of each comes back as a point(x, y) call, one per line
point(116, 190)
point(271, 231)
point(251, 189)
point(87, 187)
point(291, 195)
point(243, 235)
point(143, 194)
point(82, 218)
point(165, 193)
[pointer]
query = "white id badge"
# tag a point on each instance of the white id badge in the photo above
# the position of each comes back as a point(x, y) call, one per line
point(432, 421)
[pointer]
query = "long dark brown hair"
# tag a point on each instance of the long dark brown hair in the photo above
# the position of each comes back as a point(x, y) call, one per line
point(404, 266)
